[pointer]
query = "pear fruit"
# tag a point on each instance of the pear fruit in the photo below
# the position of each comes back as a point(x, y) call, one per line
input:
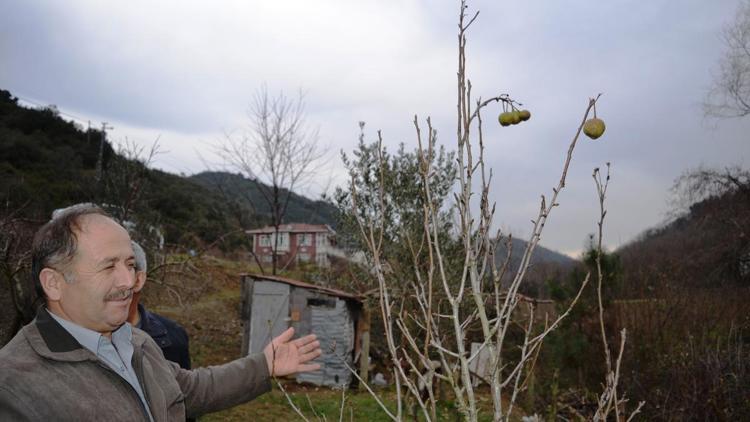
point(525, 115)
point(505, 118)
point(594, 128)
point(516, 115)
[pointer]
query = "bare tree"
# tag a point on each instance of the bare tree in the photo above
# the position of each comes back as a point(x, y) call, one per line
point(729, 95)
point(278, 152)
point(125, 179)
point(700, 183)
point(429, 342)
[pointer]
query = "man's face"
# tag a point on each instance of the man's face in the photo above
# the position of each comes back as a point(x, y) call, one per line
point(103, 272)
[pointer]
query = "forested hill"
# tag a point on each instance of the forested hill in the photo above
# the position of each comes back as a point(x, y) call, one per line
point(708, 246)
point(541, 254)
point(47, 162)
point(245, 194)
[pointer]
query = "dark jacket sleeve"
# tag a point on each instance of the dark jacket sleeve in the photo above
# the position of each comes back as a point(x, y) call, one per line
point(178, 349)
point(169, 335)
point(184, 350)
point(215, 388)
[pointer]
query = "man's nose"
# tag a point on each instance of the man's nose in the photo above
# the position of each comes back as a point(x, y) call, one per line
point(125, 277)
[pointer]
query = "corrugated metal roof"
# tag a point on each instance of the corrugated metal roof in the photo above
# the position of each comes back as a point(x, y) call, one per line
point(298, 283)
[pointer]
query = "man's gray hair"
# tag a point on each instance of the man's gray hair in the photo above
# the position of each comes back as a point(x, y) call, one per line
point(56, 243)
point(140, 258)
point(75, 208)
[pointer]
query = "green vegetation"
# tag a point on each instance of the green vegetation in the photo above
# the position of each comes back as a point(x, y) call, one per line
point(326, 403)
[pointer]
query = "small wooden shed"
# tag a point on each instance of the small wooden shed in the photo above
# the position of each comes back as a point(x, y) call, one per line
point(271, 304)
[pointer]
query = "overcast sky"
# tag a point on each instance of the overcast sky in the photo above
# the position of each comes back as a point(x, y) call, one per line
point(187, 71)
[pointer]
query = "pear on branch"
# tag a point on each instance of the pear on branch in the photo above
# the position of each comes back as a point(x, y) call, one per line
point(594, 128)
point(516, 116)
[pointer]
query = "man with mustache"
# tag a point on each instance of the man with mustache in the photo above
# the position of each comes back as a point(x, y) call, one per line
point(79, 360)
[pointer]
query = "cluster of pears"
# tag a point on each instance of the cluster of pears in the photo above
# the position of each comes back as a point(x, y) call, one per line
point(513, 117)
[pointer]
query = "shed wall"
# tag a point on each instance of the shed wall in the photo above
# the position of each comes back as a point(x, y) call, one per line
point(275, 306)
point(334, 327)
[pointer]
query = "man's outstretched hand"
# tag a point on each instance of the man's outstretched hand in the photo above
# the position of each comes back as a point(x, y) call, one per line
point(285, 357)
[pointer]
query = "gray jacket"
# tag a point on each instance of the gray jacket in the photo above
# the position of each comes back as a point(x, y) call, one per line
point(45, 374)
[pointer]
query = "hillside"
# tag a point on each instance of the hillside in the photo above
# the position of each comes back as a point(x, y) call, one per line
point(708, 246)
point(541, 254)
point(683, 299)
point(546, 266)
point(47, 162)
point(244, 194)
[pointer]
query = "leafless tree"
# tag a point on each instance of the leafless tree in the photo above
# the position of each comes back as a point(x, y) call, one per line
point(729, 95)
point(700, 183)
point(278, 152)
point(125, 179)
point(452, 305)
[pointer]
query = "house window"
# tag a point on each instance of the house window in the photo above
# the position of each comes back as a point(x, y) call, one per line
point(283, 240)
point(305, 239)
point(304, 257)
point(321, 239)
point(269, 240)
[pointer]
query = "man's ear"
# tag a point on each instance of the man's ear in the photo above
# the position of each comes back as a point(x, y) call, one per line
point(50, 280)
point(140, 280)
